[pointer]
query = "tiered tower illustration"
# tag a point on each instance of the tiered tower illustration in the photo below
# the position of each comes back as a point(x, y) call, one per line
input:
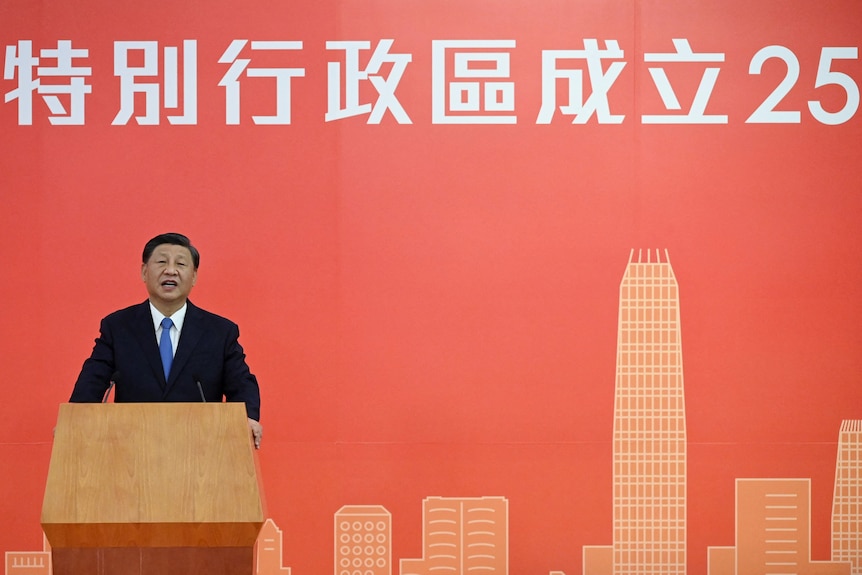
point(649, 425)
point(649, 448)
point(463, 535)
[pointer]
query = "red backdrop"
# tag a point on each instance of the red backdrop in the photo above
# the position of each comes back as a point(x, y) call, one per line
point(431, 308)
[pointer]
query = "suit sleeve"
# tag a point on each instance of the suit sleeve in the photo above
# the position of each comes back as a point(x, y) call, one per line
point(239, 383)
point(96, 372)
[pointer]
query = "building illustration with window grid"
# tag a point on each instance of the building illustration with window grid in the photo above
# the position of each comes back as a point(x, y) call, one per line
point(363, 540)
point(649, 446)
point(847, 497)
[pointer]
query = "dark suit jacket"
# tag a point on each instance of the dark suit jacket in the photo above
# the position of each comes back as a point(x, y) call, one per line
point(208, 351)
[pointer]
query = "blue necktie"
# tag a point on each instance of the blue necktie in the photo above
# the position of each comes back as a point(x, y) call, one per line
point(166, 350)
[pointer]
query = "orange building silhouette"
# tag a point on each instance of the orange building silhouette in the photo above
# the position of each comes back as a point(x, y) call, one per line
point(268, 553)
point(461, 536)
point(773, 529)
point(363, 540)
point(30, 562)
point(649, 448)
point(847, 497)
point(720, 560)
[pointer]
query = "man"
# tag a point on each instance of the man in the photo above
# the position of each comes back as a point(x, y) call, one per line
point(168, 349)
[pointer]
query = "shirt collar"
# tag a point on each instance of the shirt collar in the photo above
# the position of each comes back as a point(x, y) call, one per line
point(178, 317)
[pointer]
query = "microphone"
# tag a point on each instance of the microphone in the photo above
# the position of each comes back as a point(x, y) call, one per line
point(115, 377)
point(200, 388)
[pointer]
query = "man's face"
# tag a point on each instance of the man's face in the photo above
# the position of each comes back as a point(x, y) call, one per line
point(169, 274)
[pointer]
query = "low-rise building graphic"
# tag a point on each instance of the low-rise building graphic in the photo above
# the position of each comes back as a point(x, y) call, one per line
point(462, 536)
point(773, 528)
point(30, 562)
point(773, 532)
point(363, 540)
point(269, 551)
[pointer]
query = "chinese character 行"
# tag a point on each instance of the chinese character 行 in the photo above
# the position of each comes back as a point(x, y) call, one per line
point(230, 81)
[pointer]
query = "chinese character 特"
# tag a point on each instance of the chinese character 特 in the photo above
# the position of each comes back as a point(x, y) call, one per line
point(49, 81)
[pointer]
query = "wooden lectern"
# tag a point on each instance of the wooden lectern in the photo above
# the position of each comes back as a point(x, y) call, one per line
point(152, 488)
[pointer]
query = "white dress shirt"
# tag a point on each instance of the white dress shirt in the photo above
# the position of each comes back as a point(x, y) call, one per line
point(178, 318)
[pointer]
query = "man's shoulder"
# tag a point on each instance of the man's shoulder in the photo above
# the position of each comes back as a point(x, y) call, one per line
point(128, 313)
point(207, 317)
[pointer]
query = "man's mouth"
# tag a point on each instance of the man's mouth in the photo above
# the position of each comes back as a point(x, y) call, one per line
point(169, 283)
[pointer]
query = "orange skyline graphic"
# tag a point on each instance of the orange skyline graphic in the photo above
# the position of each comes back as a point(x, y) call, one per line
point(464, 535)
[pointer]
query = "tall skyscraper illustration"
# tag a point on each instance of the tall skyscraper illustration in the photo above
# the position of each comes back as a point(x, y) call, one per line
point(847, 497)
point(463, 536)
point(363, 540)
point(649, 447)
point(649, 425)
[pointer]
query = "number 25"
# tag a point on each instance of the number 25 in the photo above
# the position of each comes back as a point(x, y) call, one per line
point(767, 114)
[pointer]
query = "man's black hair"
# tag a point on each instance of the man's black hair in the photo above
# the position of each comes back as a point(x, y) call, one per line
point(173, 239)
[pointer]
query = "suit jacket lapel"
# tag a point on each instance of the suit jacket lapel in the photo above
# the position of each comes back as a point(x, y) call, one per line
point(189, 338)
point(146, 336)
